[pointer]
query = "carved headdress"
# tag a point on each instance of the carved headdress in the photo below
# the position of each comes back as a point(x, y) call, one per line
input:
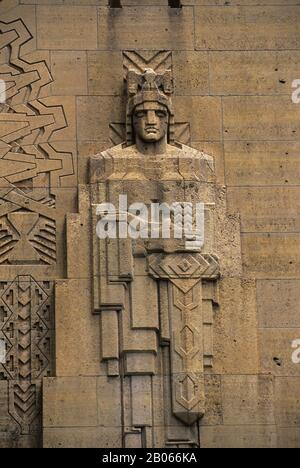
point(149, 87)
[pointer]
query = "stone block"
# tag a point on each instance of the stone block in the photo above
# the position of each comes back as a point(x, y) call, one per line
point(278, 303)
point(287, 402)
point(235, 333)
point(105, 73)
point(150, 27)
point(78, 24)
point(70, 402)
point(266, 209)
point(271, 255)
point(8, 5)
point(203, 114)
point(260, 163)
point(144, 314)
point(82, 437)
point(108, 398)
point(250, 436)
point(247, 27)
point(213, 401)
point(253, 72)
point(247, 399)
point(78, 332)
point(276, 351)
point(95, 113)
point(260, 118)
point(288, 437)
point(191, 72)
point(141, 396)
point(139, 364)
point(69, 71)
point(228, 236)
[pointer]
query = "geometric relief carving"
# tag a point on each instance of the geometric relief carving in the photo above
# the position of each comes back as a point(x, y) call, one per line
point(27, 231)
point(185, 272)
point(26, 323)
point(189, 332)
point(27, 124)
point(24, 400)
point(33, 163)
point(187, 266)
point(159, 61)
point(30, 166)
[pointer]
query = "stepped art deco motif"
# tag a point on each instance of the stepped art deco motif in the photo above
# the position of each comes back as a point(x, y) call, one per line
point(33, 169)
point(155, 298)
point(27, 310)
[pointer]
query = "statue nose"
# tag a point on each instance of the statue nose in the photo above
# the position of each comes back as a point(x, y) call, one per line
point(151, 117)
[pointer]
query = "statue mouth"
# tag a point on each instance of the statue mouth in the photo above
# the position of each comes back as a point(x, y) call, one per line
point(151, 130)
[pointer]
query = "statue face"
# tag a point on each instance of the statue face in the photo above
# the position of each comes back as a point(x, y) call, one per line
point(150, 122)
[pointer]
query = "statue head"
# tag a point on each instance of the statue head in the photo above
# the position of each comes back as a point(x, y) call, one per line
point(150, 114)
point(150, 122)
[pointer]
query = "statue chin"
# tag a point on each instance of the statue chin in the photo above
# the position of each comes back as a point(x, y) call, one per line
point(151, 138)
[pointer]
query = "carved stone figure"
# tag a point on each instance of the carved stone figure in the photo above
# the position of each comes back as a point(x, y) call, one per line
point(155, 296)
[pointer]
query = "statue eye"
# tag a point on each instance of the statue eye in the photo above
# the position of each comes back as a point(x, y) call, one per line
point(140, 114)
point(161, 114)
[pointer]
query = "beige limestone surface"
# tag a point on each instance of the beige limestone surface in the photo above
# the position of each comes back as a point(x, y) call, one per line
point(234, 66)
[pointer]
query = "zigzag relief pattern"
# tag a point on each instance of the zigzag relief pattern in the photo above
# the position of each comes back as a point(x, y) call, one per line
point(159, 61)
point(27, 124)
point(25, 325)
point(25, 403)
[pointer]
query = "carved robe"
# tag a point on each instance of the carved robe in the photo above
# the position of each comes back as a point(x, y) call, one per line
point(156, 297)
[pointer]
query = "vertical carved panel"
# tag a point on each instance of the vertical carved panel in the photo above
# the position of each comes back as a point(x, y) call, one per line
point(26, 327)
point(186, 322)
point(34, 164)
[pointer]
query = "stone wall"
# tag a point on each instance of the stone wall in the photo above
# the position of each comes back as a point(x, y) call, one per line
point(234, 65)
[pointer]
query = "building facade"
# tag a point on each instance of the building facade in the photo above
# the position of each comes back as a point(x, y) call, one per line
point(150, 341)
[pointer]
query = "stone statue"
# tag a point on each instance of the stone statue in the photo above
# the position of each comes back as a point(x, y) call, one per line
point(155, 294)
point(149, 112)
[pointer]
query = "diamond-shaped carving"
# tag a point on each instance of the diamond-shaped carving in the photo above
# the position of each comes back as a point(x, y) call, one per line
point(188, 392)
point(187, 339)
point(185, 265)
point(182, 267)
point(187, 342)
